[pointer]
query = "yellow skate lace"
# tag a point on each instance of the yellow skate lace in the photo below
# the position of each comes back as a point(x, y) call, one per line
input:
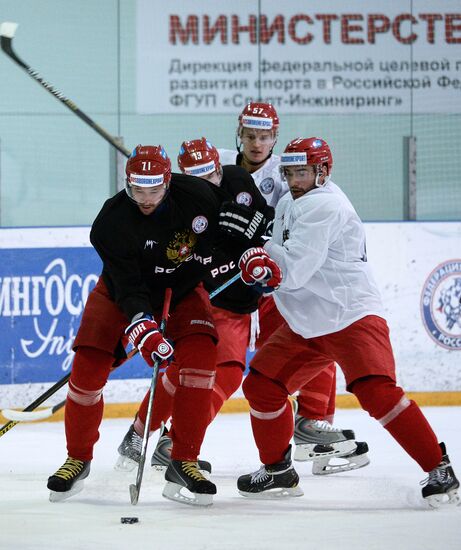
point(191, 469)
point(71, 468)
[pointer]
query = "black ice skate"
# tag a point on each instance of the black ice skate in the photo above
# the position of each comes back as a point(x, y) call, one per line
point(441, 486)
point(161, 457)
point(187, 484)
point(68, 480)
point(271, 481)
point(319, 441)
point(129, 451)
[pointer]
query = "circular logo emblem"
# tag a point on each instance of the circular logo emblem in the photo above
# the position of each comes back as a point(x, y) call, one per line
point(441, 305)
point(163, 348)
point(199, 224)
point(267, 186)
point(244, 198)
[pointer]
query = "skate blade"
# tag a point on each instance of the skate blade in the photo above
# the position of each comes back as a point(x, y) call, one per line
point(125, 464)
point(59, 496)
point(275, 494)
point(323, 467)
point(178, 493)
point(309, 451)
point(451, 498)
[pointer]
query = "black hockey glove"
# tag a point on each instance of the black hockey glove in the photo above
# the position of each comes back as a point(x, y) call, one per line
point(242, 221)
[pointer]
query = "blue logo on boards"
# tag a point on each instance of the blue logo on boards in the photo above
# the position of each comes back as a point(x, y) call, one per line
point(441, 305)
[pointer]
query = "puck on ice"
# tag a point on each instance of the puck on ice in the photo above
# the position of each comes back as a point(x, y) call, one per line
point(129, 520)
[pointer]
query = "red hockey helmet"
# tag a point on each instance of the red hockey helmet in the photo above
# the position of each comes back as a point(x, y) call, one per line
point(148, 166)
point(303, 151)
point(259, 116)
point(198, 157)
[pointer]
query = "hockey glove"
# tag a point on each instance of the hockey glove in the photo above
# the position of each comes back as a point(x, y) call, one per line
point(257, 267)
point(242, 221)
point(143, 334)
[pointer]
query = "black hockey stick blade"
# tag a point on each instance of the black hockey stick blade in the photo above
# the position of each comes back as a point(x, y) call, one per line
point(7, 31)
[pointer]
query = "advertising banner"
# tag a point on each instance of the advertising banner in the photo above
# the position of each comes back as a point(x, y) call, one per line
point(43, 291)
point(334, 57)
point(46, 275)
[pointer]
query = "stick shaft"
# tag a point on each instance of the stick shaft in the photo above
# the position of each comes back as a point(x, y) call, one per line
point(7, 47)
point(135, 489)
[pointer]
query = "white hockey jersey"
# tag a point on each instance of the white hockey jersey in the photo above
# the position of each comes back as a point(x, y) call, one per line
point(267, 178)
point(319, 242)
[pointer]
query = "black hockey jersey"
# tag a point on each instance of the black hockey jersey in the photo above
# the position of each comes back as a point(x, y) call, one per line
point(237, 185)
point(172, 247)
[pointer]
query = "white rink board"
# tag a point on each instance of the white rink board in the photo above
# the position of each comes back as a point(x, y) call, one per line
point(402, 256)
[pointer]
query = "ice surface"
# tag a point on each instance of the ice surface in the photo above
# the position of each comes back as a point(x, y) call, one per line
point(377, 507)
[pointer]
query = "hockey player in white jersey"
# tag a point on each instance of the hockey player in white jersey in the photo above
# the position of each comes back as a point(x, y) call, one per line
point(331, 449)
point(256, 136)
point(333, 311)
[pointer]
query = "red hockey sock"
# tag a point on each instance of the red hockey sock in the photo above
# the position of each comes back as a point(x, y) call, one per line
point(228, 379)
point(271, 416)
point(402, 418)
point(85, 405)
point(163, 401)
point(196, 357)
point(315, 398)
point(331, 408)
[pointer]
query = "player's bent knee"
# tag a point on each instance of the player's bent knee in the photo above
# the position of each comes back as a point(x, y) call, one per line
point(250, 384)
point(228, 380)
point(264, 393)
point(380, 397)
point(91, 367)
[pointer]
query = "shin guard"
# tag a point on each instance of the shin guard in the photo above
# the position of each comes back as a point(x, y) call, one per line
point(271, 416)
point(402, 418)
point(163, 401)
point(228, 379)
point(84, 405)
point(196, 357)
point(316, 399)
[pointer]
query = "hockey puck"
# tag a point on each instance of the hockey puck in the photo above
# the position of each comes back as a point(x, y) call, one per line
point(129, 520)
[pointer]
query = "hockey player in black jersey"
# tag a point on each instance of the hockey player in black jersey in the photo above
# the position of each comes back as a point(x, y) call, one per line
point(157, 234)
point(243, 207)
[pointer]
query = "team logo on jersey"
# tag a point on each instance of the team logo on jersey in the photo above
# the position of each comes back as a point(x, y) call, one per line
point(267, 186)
point(181, 246)
point(244, 198)
point(199, 224)
point(441, 305)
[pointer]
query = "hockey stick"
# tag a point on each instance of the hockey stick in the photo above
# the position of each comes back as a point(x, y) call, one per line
point(7, 31)
point(216, 291)
point(41, 399)
point(135, 488)
point(22, 416)
point(31, 415)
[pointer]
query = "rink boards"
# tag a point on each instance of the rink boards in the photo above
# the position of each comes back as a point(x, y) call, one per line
point(47, 273)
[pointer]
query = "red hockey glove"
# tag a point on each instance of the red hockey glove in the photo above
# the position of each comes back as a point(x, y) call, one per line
point(143, 334)
point(257, 267)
